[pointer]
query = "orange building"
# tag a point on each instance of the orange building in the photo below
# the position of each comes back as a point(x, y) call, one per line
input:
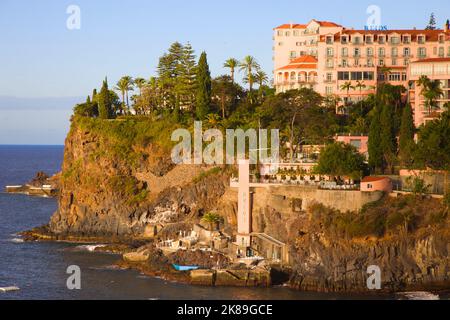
point(324, 55)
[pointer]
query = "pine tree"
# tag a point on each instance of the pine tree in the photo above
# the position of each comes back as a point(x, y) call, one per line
point(406, 140)
point(432, 23)
point(374, 145)
point(104, 102)
point(186, 83)
point(94, 95)
point(203, 97)
point(387, 136)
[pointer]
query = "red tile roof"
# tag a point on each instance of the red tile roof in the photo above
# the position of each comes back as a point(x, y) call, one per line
point(303, 62)
point(305, 59)
point(325, 24)
point(291, 26)
point(433, 60)
point(373, 179)
point(299, 66)
point(431, 35)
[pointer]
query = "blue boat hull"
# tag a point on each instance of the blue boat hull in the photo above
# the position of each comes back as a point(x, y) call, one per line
point(185, 268)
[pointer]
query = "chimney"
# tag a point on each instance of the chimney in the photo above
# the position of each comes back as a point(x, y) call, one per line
point(291, 24)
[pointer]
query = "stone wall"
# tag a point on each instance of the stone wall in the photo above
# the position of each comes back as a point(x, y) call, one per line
point(288, 197)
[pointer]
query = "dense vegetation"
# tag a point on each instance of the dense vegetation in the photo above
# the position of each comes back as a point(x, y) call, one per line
point(389, 216)
point(183, 91)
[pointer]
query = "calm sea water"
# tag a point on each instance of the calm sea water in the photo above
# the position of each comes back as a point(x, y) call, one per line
point(39, 269)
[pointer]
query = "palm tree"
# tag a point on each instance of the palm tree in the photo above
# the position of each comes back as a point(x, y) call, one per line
point(124, 85)
point(261, 78)
point(385, 71)
point(248, 65)
point(360, 85)
point(431, 91)
point(212, 219)
point(347, 86)
point(140, 83)
point(232, 64)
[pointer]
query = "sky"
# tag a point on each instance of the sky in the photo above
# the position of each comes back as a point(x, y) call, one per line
point(45, 67)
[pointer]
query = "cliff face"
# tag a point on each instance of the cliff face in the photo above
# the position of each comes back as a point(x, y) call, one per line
point(114, 187)
point(331, 250)
point(116, 180)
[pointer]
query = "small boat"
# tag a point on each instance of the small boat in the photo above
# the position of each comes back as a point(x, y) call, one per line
point(185, 268)
point(6, 289)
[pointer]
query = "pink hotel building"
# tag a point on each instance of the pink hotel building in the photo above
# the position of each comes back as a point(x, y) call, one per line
point(324, 55)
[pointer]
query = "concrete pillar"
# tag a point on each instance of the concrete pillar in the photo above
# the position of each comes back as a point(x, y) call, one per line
point(244, 205)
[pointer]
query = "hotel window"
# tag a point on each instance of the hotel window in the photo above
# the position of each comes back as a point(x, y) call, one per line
point(370, 62)
point(330, 63)
point(280, 43)
point(356, 63)
point(381, 52)
point(404, 77)
point(345, 52)
point(406, 39)
point(395, 40)
point(344, 40)
point(395, 76)
point(356, 52)
point(329, 90)
point(288, 33)
point(330, 52)
point(422, 52)
point(357, 40)
point(441, 52)
point(381, 39)
point(369, 39)
point(369, 52)
point(394, 52)
point(441, 38)
point(280, 33)
point(329, 77)
point(298, 44)
point(406, 52)
point(368, 75)
point(343, 76)
point(381, 63)
point(356, 76)
point(330, 39)
point(421, 39)
point(394, 62)
point(344, 63)
point(296, 33)
point(406, 62)
point(293, 54)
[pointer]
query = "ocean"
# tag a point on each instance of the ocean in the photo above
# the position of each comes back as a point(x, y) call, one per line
point(39, 269)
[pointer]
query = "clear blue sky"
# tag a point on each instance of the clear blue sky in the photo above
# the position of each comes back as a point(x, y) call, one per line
point(41, 58)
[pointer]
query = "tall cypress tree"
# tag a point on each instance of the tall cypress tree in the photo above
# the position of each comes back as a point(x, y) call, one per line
point(406, 140)
point(104, 102)
point(203, 97)
point(387, 136)
point(374, 145)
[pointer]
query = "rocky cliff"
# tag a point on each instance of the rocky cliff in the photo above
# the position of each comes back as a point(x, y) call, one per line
point(117, 176)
